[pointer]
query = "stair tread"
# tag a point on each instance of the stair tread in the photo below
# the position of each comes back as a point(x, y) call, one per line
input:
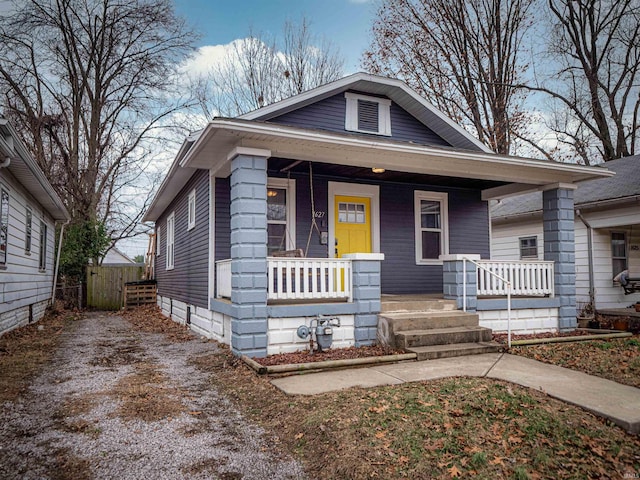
point(453, 346)
point(437, 331)
point(417, 314)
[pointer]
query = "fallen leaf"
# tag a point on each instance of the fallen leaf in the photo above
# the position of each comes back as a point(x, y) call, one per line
point(497, 461)
point(380, 434)
point(454, 472)
point(299, 436)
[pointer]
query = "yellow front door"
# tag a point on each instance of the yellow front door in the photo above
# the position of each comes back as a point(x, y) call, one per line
point(353, 224)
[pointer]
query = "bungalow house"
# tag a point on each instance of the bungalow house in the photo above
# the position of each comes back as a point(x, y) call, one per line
point(29, 209)
point(338, 201)
point(607, 233)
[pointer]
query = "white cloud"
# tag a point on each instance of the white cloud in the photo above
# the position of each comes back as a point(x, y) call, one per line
point(204, 58)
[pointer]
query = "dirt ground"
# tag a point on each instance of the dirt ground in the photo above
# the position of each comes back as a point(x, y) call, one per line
point(114, 401)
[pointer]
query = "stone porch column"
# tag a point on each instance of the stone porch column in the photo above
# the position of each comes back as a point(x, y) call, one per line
point(366, 295)
point(249, 251)
point(559, 246)
point(453, 268)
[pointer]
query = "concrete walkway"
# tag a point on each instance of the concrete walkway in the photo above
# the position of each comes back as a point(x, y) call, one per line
point(618, 403)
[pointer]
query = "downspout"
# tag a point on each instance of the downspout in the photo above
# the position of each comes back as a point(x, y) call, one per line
point(6, 162)
point(55, 275)
point(592, 296)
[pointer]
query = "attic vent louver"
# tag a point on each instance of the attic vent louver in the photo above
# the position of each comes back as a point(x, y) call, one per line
point(367, 116)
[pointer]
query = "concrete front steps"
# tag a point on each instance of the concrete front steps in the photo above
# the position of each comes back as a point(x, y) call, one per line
point(433, 328)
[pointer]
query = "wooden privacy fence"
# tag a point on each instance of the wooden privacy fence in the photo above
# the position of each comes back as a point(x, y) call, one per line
point(105, 284)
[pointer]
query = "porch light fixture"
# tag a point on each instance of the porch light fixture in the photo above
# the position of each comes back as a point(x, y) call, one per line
point(272, 193)
point(378, 170)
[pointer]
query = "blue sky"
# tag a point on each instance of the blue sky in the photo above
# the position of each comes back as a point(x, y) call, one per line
point(346, 23)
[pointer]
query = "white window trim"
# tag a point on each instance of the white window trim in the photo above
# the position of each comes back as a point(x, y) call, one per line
point(170, 243)
point(354, 190)
point(290, 228)
point(158, 236)
point(191, 210)
point(351, 116)
point(443, 198)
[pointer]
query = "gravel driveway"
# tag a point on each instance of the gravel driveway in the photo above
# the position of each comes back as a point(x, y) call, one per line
point(119, 403)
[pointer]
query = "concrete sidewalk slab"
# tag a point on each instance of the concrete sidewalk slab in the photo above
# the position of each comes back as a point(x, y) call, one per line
point(323, 382)
point(467, 366)
point(611, 400)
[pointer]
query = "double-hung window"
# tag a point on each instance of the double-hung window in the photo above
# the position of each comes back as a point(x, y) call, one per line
point(4, 225)
point(191, 210)
point(528, 248)
point(43, 246)
point(367, 114)
point(619, 257)
point(431, 226)
point(171, 222)
point(27, 231)
point(281, 215)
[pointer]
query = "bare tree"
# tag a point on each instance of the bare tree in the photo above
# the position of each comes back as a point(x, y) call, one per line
point(256, 71)
point(463, 56)
point(87, 82)
point(594, 54)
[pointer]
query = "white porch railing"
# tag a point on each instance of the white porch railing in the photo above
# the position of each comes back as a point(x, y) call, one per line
point(223, 278)
point(297, 278)
point(309, 278)
point(527, 278)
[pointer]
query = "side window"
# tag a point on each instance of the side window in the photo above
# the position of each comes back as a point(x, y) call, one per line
point(281, 215)
point(431, 226)
point(191, 210)
point(619, 252)
point(171, 221)
point(528, 248)
point(27, 231)
point(4, 225)
point(43, 246)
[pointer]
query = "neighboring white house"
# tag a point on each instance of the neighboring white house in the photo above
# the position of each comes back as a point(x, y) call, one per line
point(29, 210)
point(115, 257)
point(607, 232)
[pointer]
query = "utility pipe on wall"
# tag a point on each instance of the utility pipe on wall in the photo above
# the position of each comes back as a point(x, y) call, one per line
point(592, 293)
point(55, 275)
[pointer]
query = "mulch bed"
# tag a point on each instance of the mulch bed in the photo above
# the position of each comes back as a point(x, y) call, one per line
point(331, 354)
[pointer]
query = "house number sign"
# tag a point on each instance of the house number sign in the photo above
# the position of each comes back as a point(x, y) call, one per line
point(319, 214)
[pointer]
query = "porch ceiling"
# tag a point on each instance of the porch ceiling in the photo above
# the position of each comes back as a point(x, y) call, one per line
point(221, 136)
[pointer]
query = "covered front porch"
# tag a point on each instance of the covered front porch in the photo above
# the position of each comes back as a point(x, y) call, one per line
point(428, 232)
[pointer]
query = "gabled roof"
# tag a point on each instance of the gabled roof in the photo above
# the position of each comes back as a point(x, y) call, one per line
point(25, 169)
point(213, 147)
point(392, 88)
point(625, 184)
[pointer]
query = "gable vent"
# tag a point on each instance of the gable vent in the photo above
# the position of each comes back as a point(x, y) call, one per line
point(367, 116)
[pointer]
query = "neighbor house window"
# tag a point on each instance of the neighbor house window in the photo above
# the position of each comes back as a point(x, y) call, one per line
point(4, 225)
point(171, 222)
point(191, 210)
point(280, 215)
point(43, 246)
point(27, 231)
point(529, 248)
point(618, 252)
point(431, 225)
point(367, 114)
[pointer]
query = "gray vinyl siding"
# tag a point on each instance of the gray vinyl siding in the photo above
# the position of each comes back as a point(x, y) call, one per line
point(189, 279)
point(468, 233)
point(329, 114)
